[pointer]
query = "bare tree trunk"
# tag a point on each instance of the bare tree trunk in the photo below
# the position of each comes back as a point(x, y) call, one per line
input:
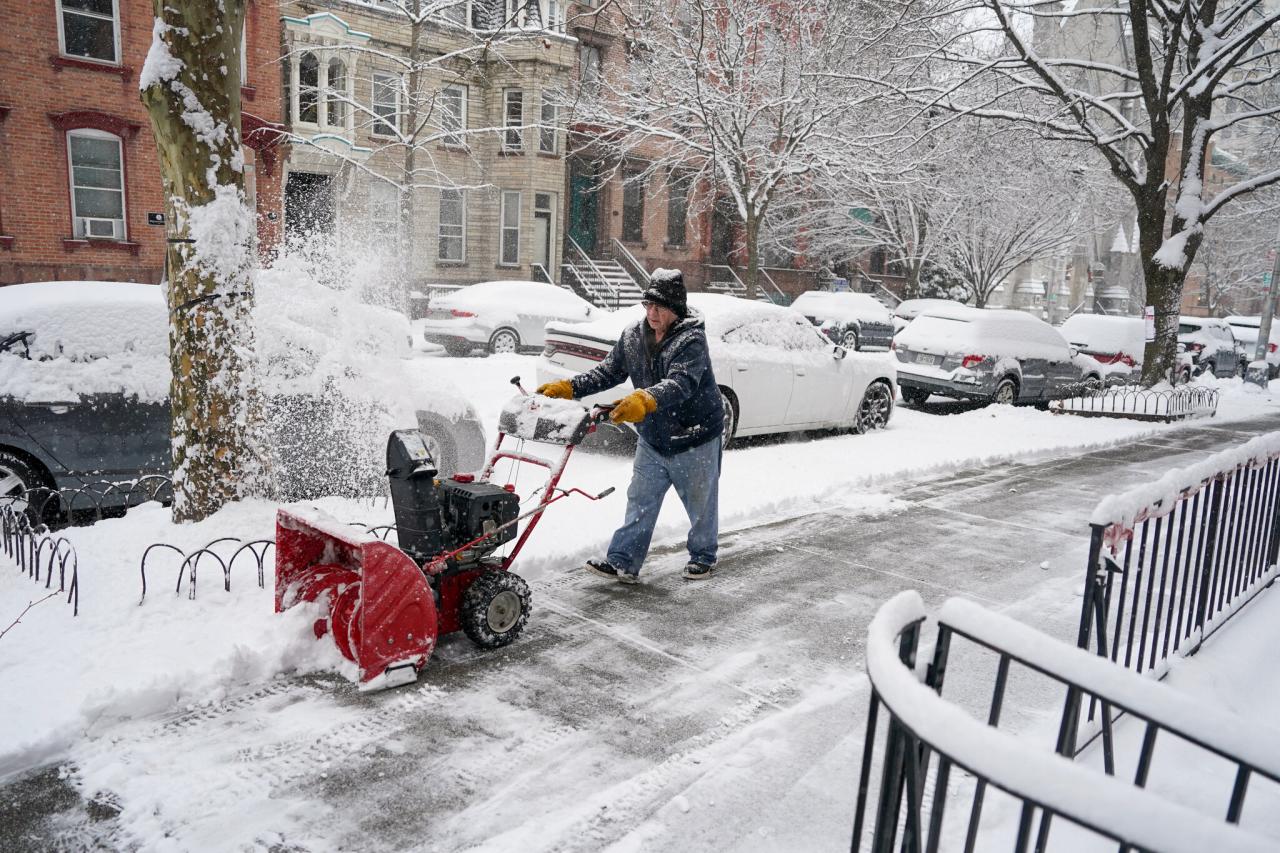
point(195, 115)
point(752, 229)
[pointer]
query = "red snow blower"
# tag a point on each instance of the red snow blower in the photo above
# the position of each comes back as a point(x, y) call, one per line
point(386, 605)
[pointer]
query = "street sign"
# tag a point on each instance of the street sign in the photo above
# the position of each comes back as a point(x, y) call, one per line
point(1149, 318)
point(155, 218)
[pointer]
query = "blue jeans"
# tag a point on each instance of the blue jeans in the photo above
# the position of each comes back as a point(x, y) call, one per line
point(695, 473)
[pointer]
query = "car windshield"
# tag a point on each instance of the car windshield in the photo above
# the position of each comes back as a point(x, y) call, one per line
point(937, 330)
point(1188, 328)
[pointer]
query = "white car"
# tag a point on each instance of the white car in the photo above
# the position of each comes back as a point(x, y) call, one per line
point(502, 316)
point(776, 372)
point(909, 309)
point(853, 320)
point(1246, 331)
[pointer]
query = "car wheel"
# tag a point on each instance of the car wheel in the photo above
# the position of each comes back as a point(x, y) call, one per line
point(1184, 377)
point(730, 416)
point(913, 396)
point(495, 609)
point(503, 341)
point(25, 489)
point(1006, 392)
point(457, 349)
point(849, 340)
point(875, 408)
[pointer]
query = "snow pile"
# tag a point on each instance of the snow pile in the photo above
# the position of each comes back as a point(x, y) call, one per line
point(841, 307)
point(542, 419)
point(88, 337)
point(1106, 334)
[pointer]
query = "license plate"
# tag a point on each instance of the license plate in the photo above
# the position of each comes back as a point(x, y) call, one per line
point(925, 358)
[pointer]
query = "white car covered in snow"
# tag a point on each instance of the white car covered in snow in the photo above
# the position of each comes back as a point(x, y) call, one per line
point(502, 316)
point(1117, 344)
point(776, 372)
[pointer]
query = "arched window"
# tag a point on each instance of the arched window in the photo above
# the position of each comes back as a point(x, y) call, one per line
point(336, 94)
point(308, 88)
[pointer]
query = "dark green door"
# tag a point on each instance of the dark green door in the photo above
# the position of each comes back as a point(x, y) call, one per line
point(584, 209)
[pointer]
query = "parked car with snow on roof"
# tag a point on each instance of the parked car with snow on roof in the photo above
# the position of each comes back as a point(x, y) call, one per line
point(502, 316)
point(856, 321)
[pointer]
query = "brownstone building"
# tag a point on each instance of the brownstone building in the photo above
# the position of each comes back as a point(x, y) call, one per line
point(80, 182)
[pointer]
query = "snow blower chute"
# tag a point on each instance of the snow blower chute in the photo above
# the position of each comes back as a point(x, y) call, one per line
point(387, 605)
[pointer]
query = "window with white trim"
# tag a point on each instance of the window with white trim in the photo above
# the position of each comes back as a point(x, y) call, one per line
point(510, 250)
point(336, 96)
point(453, 225)
point(453, 114)
point(90, 29)
point(309, 89)
point(588, 69)
point(547, 124)
point(95, 160)
point(386, 104)
point(512, 119)
point(553, 15)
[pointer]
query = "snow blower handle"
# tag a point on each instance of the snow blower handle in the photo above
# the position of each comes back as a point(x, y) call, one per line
point(515, 380)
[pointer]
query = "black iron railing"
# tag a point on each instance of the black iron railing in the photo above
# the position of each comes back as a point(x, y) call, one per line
point(1171, 561)
point(1109, 400)
point(37, 554)
point(935, 776)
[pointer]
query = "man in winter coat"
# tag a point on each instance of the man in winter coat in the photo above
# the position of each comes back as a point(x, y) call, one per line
point(680, 417)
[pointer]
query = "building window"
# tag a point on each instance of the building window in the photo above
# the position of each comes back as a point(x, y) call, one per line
point(552, 15)
point(90, 29)
point(877, 261)
point(384, 213)
point(633, 208)
point(476, 14)
point(510, 254)
point(96, 163)
point(588, 69)
point(453, 115)
point(386, 104)
point(677, 209)
point(453, 225)
point(457, 13)
point(336, 94)
point(547, 125)
point(309, 89)
point(286, 86)
point(513, 118)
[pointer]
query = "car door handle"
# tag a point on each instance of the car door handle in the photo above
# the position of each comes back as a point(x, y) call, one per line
point(56, 408)
point(741, 368)
point(800, 371)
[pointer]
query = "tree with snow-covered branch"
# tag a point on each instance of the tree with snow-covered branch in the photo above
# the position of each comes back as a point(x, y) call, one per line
point(190, 84)
point(731, 97)
point(1152, 85)
point(1233, 259)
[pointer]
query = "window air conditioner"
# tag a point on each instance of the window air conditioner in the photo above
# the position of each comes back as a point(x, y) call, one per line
point(100, 229)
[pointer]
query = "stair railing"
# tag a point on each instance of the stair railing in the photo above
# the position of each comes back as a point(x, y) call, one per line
point(782, 298)
point(600, 279)
point(636, 266)
point(540, 273)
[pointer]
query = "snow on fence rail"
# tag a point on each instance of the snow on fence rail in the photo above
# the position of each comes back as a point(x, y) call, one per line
point(1060, 804)
point(1137, 403)
point(1171, 561)
point(34, 551)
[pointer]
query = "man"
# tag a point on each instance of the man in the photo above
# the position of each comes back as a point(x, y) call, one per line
point(680, 417)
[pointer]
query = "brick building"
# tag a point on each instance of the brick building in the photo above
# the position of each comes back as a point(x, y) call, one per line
point(79, 171)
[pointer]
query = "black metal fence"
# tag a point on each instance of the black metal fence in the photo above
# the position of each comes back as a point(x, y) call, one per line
point(936, 776)
point(37, 553)
point(1170, 562)
point(1099, 400)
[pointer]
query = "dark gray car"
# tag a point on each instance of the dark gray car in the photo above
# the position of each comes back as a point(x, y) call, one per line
point(982, 354)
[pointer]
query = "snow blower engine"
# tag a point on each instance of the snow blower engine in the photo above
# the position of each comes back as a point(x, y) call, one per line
point(387, 605)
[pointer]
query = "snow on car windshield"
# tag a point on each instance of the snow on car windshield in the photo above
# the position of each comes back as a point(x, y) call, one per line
point(88, 337)
point(938, 331)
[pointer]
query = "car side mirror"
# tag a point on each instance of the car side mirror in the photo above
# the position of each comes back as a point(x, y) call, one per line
point(838, 352)
point(1075, 351)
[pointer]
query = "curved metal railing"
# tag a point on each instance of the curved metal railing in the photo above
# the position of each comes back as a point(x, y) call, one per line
point(34, 551)
point(927, 737)
point(1103, 400)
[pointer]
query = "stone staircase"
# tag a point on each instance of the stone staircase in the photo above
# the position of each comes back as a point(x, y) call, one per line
point(735, 288)
point(605, 283)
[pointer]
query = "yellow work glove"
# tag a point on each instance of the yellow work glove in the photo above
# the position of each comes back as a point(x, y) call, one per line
point(561, 389)
point(633, 408)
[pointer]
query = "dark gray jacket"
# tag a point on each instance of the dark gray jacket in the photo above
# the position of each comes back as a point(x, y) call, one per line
point(677, 372)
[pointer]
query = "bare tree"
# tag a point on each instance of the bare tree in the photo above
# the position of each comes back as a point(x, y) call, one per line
point(1149, 84)
point(190, 85)
point(1233, 259)
point(734, 97)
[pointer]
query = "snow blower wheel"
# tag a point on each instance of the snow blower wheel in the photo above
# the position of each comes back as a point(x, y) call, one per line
point(495, 609)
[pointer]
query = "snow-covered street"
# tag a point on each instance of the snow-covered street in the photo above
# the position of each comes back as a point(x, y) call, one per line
point(724, 716)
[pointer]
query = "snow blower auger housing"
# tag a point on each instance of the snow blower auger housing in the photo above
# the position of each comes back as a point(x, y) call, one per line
point(388, 605)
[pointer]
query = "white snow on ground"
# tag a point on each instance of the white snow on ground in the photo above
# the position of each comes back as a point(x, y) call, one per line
point(67, 678)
